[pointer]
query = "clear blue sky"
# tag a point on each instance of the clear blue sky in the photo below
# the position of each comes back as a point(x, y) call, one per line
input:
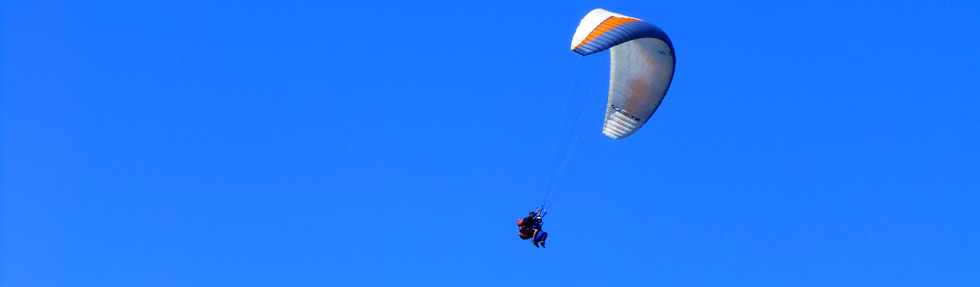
point(310, 143)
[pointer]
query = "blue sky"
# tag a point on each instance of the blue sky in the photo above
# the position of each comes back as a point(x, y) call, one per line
point(307, 143)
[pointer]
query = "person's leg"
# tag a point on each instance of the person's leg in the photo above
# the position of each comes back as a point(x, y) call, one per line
point(541, 240)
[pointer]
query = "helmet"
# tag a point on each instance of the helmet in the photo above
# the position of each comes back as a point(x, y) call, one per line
point(520, 222)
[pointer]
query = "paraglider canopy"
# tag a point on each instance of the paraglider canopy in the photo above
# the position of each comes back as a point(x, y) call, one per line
point(641, 66)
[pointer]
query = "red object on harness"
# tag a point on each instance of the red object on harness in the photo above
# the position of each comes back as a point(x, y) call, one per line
point(525, 234)
point(524, 231)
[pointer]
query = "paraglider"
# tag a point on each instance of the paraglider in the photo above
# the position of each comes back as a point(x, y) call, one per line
point(530, 227)
point(641, 70)
point(641, 67)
